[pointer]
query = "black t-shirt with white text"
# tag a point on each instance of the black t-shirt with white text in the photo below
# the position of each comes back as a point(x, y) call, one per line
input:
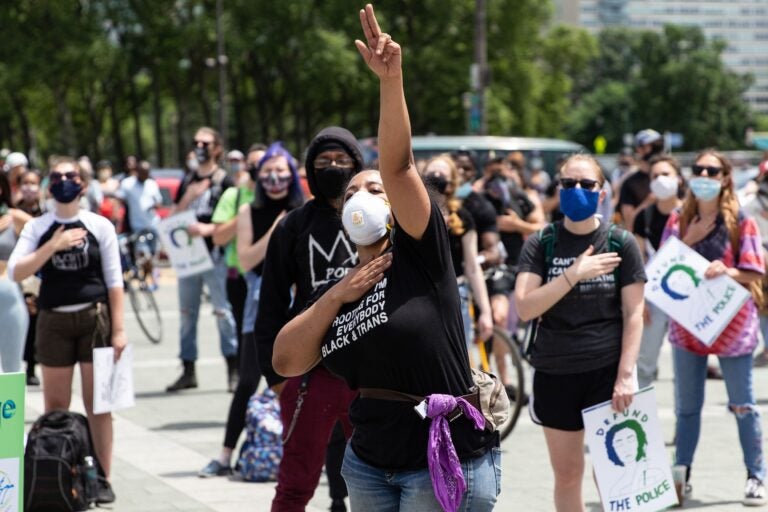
point(405, 334)
point(572, 338)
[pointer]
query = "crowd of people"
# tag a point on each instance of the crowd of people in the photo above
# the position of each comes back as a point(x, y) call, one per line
point(349, 285)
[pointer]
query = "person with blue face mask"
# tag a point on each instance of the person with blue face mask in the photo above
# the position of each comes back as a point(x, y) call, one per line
point(712, 223)
point(582, 355)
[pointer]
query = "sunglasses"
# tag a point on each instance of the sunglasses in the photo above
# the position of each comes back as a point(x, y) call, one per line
point(698, 170)
point(585, 183)
point(56, 177)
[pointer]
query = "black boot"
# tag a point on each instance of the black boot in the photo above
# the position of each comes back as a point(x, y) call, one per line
point(233, 374)
point(187, 379)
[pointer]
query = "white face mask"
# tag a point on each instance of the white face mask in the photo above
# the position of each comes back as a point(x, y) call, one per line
point(365, 218)
point(664, 187)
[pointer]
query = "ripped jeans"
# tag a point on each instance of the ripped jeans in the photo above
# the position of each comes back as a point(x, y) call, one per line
point(190, 295)
point(690, 378)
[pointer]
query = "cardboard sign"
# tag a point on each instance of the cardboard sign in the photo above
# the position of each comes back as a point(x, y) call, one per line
point(627, 451)
point(12, 442)
point(676, 284)
point(188, 254)
point(112, 381)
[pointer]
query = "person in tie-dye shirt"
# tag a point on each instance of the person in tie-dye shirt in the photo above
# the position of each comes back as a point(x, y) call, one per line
point(711, 222)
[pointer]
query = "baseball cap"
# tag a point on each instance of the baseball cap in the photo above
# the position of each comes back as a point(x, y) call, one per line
point(235, 155)
point(647, 136)
point(15, 159)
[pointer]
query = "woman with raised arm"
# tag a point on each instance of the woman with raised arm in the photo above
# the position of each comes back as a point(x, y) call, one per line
point(392, 329)
point(582, 355)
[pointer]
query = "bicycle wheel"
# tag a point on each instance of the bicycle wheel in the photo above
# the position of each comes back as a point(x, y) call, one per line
point(505, 361)
point(146, 310)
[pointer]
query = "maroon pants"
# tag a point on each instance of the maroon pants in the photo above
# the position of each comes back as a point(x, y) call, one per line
point(326, 402)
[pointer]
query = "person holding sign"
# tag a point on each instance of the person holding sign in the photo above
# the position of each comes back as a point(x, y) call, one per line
point(582, 355)
point(392, 326)
point(80, 303)
point(711, 222)
point(666, 183)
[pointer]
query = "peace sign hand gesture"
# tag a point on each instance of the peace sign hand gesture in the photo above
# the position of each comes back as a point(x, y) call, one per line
point(381, 53)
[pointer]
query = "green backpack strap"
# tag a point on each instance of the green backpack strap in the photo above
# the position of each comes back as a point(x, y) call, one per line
point(547, 236)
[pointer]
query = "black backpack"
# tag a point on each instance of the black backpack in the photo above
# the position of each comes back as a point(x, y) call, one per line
point(54, 464)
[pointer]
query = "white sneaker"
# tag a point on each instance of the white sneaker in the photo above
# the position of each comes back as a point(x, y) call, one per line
point(754, 493)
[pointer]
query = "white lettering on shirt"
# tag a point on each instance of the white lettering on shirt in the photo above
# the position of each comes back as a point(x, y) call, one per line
point(366, 316)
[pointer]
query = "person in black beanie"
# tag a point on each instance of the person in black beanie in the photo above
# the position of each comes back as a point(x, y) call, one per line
point(309, 248)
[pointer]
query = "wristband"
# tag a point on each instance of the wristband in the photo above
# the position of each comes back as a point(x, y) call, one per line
point(565, 275)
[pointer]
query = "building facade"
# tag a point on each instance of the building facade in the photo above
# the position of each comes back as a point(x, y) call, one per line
point(742, 24)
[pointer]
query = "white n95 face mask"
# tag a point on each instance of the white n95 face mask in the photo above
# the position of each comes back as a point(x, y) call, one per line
point(664, 187)
point(365, 218)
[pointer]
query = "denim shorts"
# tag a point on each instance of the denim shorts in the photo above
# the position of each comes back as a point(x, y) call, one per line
point(371, 488)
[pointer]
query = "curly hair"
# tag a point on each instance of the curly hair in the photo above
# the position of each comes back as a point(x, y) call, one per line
point(454, 222)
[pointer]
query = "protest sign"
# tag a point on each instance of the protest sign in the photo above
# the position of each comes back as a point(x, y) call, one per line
point(112, 381)
point(676, 284)
point(188, 254)
point(12, 442)
point(627, 452)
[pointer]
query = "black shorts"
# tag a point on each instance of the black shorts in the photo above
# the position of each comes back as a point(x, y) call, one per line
point(557, 400)
point(500, 280)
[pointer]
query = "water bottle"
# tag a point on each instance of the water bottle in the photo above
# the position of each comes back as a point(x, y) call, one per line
point(91, 480)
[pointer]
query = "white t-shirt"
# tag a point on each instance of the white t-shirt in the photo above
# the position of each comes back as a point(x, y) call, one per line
point(141, 200)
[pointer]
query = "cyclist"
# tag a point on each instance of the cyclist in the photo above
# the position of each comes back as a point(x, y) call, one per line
point(141, 196)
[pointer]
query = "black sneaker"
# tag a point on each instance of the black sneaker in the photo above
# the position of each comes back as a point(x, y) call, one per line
point(105, 494)
point(754, 493)
point(32, 380)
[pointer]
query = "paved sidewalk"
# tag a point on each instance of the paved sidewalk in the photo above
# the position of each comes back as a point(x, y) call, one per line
point(163, 441)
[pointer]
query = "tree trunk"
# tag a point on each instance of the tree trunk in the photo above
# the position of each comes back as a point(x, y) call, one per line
point(64, 115)
point(21, 114)
point(157, 114)
point(117, 139)
point(136, 114)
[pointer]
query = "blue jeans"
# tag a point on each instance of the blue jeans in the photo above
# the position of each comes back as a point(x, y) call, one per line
point(764, 330)
point(251, 301)
point(14, 321)
point(690, 377)
point(469, 328)
point(650, 345)
point(190, 295)
point(371, 488)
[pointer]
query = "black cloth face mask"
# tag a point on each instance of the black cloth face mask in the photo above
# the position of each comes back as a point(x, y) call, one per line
point(332, 180)
point(437, 182)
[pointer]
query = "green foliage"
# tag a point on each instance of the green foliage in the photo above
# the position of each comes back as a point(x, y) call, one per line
point(115, 77)
point(673, 81)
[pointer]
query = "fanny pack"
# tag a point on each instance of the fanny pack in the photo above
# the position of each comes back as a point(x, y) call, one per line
point(487, 396)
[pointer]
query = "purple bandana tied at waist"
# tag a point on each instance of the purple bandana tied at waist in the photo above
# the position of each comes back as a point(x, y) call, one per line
point(444, 466)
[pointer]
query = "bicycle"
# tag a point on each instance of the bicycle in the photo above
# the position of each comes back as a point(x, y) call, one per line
point(506, 364)
point(135, 282)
